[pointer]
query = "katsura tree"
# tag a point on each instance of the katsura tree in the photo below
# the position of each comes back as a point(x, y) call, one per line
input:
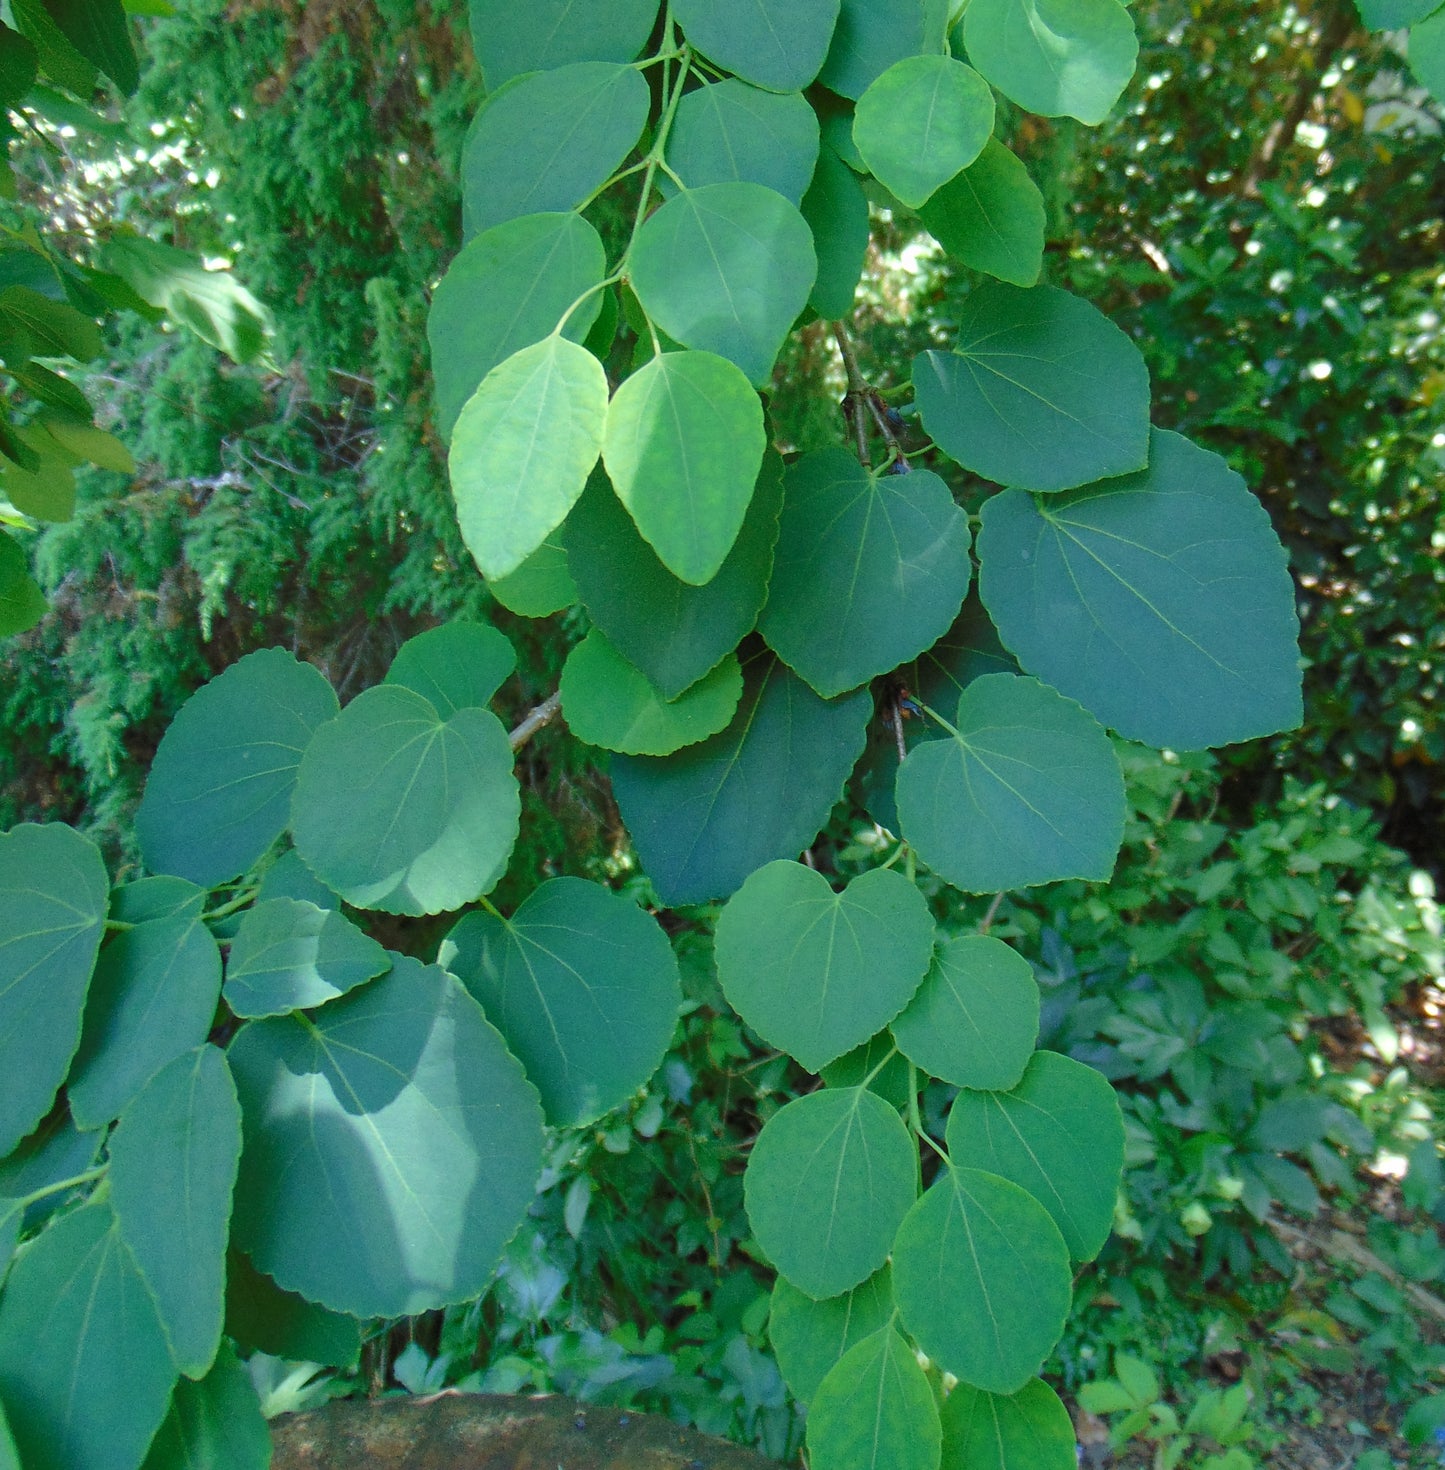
point(235, 1119)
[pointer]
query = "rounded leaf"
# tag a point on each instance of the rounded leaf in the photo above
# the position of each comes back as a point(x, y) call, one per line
point(511, 39)
point(539, 587)
point(778, 44)
point(809, 1337)
point(872, 34)
point(991, 217)
point(1028, 1430)
point(729, 132)
point(875, 1410)
point(392, 1146)
point(456, 666)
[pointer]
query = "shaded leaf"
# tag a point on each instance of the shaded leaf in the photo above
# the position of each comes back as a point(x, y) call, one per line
point(809, 1336)
point(542, 584)
point(875, 1410)
point(872, 34)
point(729, 132)
point(510, 39)
point(777, 44)
point(991, 217)
point(260, 1315)
point(215, 1424)
point(288, 955)
point(22, 603)
point(836, 210)
point(456, 666)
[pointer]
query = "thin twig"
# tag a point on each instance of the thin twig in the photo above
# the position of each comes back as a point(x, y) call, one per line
point(537, 719)
point(988, 918)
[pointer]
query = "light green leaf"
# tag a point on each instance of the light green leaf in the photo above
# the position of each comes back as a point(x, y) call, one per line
point(1391, 15)
point(547, 141)
point(991, 217)
point(173, 1160)
point(809, 1337)
point(456, 666)
point(1028, 790)
point(22, 603)
point(53, 890)
point(729, 132)
point(522, 449)
point(975, 1019)
point(981, 1278)
point(872, 34)
point(93, 445)
point(1059, 58)
point(215, 1424)
point(401, 810)
point(542, 584)
point(509, 288)
point(608, 703)
point(726, 269)
point(836, 210)
point(1182, 568)
point(1041, 392)
point(46, 493)
point(288, 955)
point(510, 39)
point(815, 972)
point(1059, 1134)
point(1028, 1430)
point(830, 1177)
point(683, 446)
point(921, 122)
point(219, 792)
point(705, 817)
point(263, 1317)
point(870, 569)
point(160, 897)
point(584, 988)
point(85, 1373)
point(152, 999)
point(391, 1148)
point(54, 328)
point(673, 632)
point(777, 44)
point(875, 1410)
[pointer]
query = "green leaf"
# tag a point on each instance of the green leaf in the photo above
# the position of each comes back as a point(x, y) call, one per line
point(456, 666)
point(1182, 568)
point(673, 632)
point(53, 890)
point(220, 786)
point(87, 442)
point(399, 809)
point(12, 1217)
point(522, 449)
point(584, 988)
point(726, 269)
point(683, 446)
point(815, 972)
point(777, 44)
point(1026, 790)
point(18, 63)
point(59, 60)
point(549, 140)
point(510, 39)
point(877, 1065)
point(875, 1410)
point(1028, 1430)
point(215, 1424)
point(173, 1160)
point(152, 999)
point(921, 122)
point(873, 34)
point(289, 877)
point(975, 1019)
point(729, 132)
point(391, 1148)
point(870, 570)
point(1391, 15)
point(704, 818)
point(836, 210)
point(830, 1177)
point(99, 31)
point(1059, 58)
point(509, 288)
point(981, 1278)
point(263, 1317)
point(809, 1337)
point(1059, 1134)
point(85, 1373)
point(55, 1152)
point(1041, 392)
point(289, 955)
point(22, 603)
point(1426, 53)
point(55, 329)
point(542, 584)
point(991, 217)
point(608, 703)
point(46, 493)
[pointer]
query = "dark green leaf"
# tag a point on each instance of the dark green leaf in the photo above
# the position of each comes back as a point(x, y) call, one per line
point(399, 809)
point(507, 289)
point(706, 817)
point(59, 60)
point(875, 1410)
point(726, 269)
point(12, 1217)
point(55, 329)
point(1059, 1134)
point(456, 666)
point(730, 132)
point(391, 1146)
point(981, 1277)
point(152, 999)
point(1391, 15)
point(991, 217)
point(548, 140)
point(289, 955)
point(872, 34)
point(817, 972)
point(173, 1163)
point(22, 603)
point(510, 39)
point(219, 792)
point(215, 1424)
point(878, 1065)
point(584, 988)
point(1042, 391)
point(18, 63)
point(870, 570)
point(99, 31)
point(542, 584)
point(53, 890)
point(1182, 568)
point(673, 632)
point(1029, 1430)
point(777, 44)
point(836, 210)
point(975, 1019)
point(1026, 790)
point(289, 877)
point(55, 1152)
point(808, 1337)
point(261, 1316)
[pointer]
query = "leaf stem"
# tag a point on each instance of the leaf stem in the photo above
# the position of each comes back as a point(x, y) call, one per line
point(891, 1053)
point(61, 1185)
point(237, 901)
